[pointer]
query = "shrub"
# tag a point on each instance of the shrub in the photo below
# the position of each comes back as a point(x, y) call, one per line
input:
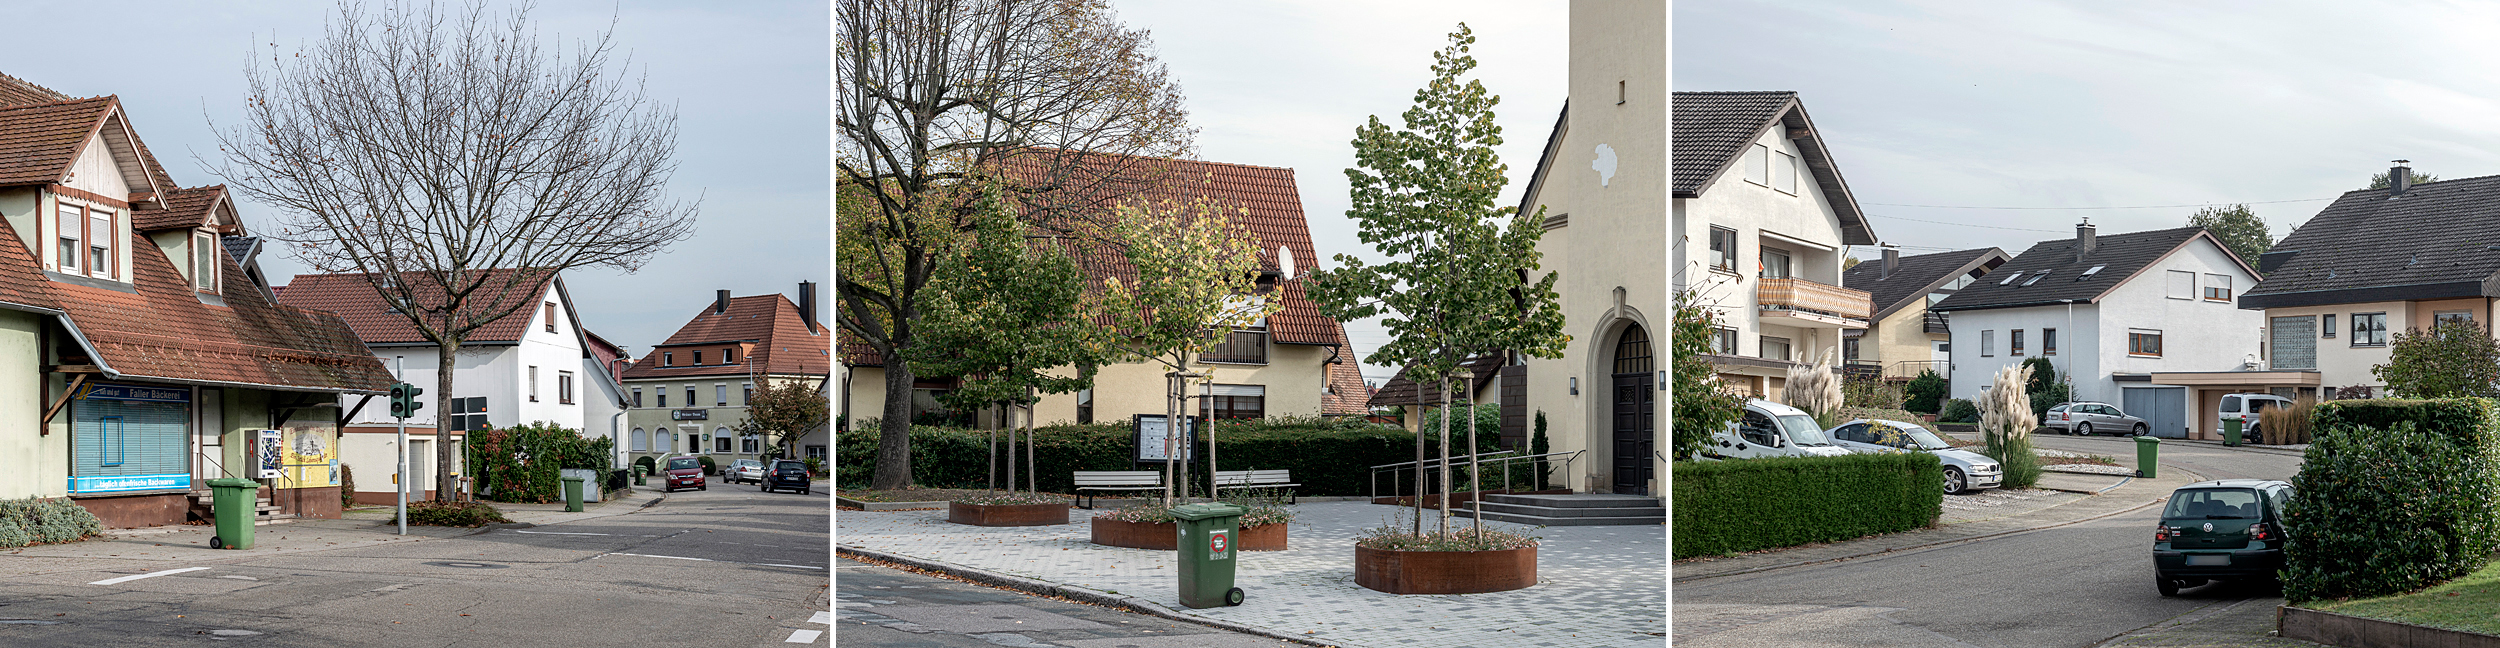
point(1925, 393)
point(1334, 458)
point(2453, 359)
point(1538, 445)
point(522, 463)
point(1392, 538)
point(709, 467)
point(1724, 507)
point(1848, 413)
point(453, 514)
point(815, 466)
point(45, 521)
point(1488, 420)
point(2005, 425)
point(347, 486)
point(1814, 388)
point(2286, 425)
point(1869, 393)
point(1004, 498)
point(2393, 496)
point(1959, 411)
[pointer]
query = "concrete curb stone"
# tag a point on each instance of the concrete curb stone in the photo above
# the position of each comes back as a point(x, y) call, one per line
point(1047, 588)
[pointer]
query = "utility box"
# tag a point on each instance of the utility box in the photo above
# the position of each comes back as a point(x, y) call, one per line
point(1208, 535)
point(236, 503)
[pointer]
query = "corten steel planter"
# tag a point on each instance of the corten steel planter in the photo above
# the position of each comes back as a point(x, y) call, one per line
point(1444, 572)
point(997, 515)
point(1159, 536)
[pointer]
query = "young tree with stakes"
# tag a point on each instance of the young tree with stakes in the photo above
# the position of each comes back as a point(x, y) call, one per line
point(456, 164)
point(1195, 281)
point(929, 92)
point(1426, 192)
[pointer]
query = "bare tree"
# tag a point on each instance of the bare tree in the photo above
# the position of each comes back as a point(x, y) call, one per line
point(455, 163)
point(1057, 101)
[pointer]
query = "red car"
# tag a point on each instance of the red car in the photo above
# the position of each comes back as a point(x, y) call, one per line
point(683, 472)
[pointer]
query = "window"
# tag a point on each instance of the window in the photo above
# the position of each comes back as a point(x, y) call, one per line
point(2182, 284)
point(2369, 329)
point(721, 441)
point(1849, 349)
point(1085, 405)
point(694, 441)
point(640, 441)
point(1784, 172)
point(551, 317)
point(564, 387)
point(690, 401)
point(70, 231)
point(1758, 165)
point(1235, 402)
point(1774, 263)
point(668, 359)
point(204, 249)
point(2145, 343)
point(748, 444)
point(2009, 278)
point(2048, 342)
point(2290, 343)
point(816, 452)
point(2014, 343)
point(746, 394)
point(663, 392)
point(729, 355)
point(698, 358)
point(116, 441)
point(2035, 278)
point(2326, 326)
point(1774, 348)
point(2088, 272)
point(720, 394)
point(1987, 344)
point(2443, 317)
point(2217, 287)
point(100, 243)
point(1722, 249)
point(638, 397)
point(1725, 341)
point(533, 384)
point(1244, 346)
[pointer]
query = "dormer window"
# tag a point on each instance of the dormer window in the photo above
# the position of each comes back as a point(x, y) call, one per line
point(204, 248)
point(668, 359)
point(729, 355)
point(100, 243)
point(72, 235)
point(698, 357)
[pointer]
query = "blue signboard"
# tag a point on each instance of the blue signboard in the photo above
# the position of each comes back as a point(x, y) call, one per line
point(139, 393)
point(121, 483)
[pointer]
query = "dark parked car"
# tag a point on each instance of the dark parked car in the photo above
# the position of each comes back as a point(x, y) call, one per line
point(2089, 418)
point(787, 474)
point(683, 472)
point(2220, 530)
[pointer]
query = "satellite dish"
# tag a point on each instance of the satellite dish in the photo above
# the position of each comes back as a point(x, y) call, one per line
point(1284, 259)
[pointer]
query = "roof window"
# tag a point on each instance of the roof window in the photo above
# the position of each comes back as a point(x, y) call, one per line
point(2010, 277)
point(2088, 272)
point(2035, 277)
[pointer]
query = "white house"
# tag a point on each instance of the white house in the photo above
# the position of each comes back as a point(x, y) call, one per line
point(2110, 312)
point(535, 365)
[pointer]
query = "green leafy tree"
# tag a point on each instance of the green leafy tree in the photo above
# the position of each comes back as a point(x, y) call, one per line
point(784, 409)
point(2379, 180)
point(1428, 195)
point(1537, 447)
point(1701, 403)
point(1195, 282)
point(1926, 392)
point(2047, 387)
point(2454, 359)
point(2238, 228)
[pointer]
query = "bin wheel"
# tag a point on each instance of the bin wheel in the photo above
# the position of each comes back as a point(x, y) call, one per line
point(215, 542)
point(1233, 596)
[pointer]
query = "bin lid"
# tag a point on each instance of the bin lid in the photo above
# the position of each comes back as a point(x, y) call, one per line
point(574, 478)
point(233, 482)
point(2148, 439)
point(1205, 511)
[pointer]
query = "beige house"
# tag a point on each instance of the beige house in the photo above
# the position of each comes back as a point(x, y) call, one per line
point(689, 394)
point(1296, 362)
point(1904, 338)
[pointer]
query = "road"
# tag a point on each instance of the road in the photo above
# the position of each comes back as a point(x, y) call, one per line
point(728, 566)
point(2076, 585)
point(882, 607)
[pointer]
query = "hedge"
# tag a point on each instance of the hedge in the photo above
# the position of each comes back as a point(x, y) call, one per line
point(45, 521)
point(1725, 507)
point(2393, 496)
point(522, 463)
point(1326, 457)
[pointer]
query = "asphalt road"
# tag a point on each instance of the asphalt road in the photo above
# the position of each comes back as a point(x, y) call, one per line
point(883, 607)
point(2077, 585)
point(729, 566)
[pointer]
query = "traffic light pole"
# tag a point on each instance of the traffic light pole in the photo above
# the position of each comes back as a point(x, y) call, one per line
point(402, 477)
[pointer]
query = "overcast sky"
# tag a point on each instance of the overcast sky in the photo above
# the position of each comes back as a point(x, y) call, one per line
point(1284, 84)
point(750, 81)
point(2096, 104)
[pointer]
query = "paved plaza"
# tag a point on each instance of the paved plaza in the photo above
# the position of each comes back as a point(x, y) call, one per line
point(1597, 586)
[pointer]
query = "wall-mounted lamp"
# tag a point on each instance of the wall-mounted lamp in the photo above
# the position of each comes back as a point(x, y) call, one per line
point(1575, 385)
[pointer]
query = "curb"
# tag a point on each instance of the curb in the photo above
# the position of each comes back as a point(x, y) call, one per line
point(2345, 630)
point(1047, 588)
point(884, 506)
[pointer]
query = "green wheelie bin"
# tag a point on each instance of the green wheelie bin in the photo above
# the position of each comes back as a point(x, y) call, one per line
point(1208, 533)
point(2147, 455)
point(234, 502)
point(573, 494)
point(2231, 432)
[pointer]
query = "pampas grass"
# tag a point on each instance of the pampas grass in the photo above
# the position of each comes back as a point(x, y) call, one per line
point(1815, 389)
point(2005, 419)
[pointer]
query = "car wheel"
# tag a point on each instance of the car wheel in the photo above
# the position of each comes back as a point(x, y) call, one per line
point(2168, 587)
point(2139, 430)
point(2083, 429)
point(1954, 482)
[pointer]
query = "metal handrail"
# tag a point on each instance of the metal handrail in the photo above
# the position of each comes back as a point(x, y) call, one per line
point(1504, 461)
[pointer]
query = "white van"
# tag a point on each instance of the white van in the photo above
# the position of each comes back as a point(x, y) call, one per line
point(1770, 429)
point(2246, 408)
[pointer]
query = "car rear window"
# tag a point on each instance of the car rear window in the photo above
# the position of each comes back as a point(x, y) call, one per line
point(2213, 504)
point(790, 467)
point(682, 463)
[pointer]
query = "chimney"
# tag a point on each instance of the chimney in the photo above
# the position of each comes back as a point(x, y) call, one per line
point(2399, 178)
point(1892, 261)
point(720, 302)
point(2084, 239)
point(807, 304)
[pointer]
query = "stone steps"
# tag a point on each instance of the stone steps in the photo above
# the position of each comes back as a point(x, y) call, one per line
point(1572, 510)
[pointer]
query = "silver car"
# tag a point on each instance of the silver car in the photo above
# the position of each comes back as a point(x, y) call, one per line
point(1964, 471)
point(2088, 418)
point(743, 470)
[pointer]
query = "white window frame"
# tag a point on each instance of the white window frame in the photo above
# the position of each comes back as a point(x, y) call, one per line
point(720, 394)
point(533, 378)
point(564, 387)
point(1758, 164)
point(2215, 282)
point(2178, 290)
point(69, 243)
point(102, 247)
point(1988, 344)
point(204, 261)
point(1784, 172)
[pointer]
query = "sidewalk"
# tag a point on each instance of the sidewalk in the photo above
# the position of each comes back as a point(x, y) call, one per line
point(634, 498)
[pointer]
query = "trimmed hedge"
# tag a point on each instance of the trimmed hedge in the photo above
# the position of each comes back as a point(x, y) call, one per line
point(2393, 496)
point(1327, 458)
point(1725, 507)
point(521, 463)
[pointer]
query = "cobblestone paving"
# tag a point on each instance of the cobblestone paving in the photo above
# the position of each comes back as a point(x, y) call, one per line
point(1597, 586)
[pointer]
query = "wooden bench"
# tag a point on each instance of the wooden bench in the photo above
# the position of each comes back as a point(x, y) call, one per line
point(1238, 479)
point(1115, 480)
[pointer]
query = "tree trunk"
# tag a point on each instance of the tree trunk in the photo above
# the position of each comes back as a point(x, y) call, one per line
point(1215, 489)
point(1475, 465)
point(1032, 469)
point(1006, 410)
point(991, 481)
point(894, 436)
point(1171, 432)
point(1419, 456)
point(443, 484)
point(1445, 456)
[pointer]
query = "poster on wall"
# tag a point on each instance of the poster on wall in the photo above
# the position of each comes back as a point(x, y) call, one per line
point(311, 451)
point(270, 451)
point(1153, 437)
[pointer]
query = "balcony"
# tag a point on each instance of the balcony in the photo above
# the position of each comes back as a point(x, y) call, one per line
point(1797, 302)
point(1937, 323)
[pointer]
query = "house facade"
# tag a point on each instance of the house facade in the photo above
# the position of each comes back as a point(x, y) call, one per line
point(138, 357)
point(533, 365)
point(688, 395)
point(2126, 318)
point(1904, 338)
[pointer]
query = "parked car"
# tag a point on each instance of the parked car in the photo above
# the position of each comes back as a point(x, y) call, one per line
point(787, 473)
point(2216, 530)
point(2088, 418)
point(2246, 408)
point(743, 470)
point(1770, 429)
point(1964, 471)
point(683, 471)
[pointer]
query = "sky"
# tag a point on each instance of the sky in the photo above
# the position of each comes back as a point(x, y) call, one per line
point(751, 83)
point(1284, 84)
point(2116, 106)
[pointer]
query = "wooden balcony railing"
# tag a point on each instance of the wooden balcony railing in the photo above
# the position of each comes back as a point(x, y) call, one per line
point(1807, 297)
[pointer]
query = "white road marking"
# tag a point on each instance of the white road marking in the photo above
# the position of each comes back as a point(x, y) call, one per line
point(125, 579)
point(668, 557)
point(391, 588)
point(790, 566)
point(803, 636)
point(822, 617)
point(560, 533)
point(248, 578)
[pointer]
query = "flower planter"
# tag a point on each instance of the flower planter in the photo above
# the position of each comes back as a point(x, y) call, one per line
point(1444, 572)
point(997, 515)
point(1160, 536)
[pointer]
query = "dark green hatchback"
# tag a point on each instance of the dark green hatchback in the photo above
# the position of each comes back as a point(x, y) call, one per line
point(2220, 530)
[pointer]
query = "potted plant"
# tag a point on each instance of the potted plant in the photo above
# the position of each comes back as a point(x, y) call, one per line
point(1458, 561)
point(1150, 526)
point(1009, 509)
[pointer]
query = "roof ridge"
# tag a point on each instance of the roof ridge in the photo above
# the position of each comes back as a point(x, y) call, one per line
point(62, 102)
point(1732, 92)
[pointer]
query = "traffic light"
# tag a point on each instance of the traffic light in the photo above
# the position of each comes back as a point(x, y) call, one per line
point(404, 400)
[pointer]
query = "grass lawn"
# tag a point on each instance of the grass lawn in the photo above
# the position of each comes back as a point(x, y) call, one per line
point(2471, 604)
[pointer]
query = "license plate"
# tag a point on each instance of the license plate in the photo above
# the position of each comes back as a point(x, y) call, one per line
point(2217, 560)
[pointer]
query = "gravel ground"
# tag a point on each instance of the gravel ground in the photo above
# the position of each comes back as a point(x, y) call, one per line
point(2096, 469)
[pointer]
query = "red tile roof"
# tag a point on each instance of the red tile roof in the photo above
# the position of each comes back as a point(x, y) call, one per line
point(1404, 391)
point(21, 277)
point(1347, 395)
point(771, 336)
point(15, 92)
point(182, 208)
point(610, 356)
point(351, 297)
point(38, 142)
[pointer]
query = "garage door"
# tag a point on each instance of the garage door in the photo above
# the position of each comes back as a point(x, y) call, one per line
point(2162, 408)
